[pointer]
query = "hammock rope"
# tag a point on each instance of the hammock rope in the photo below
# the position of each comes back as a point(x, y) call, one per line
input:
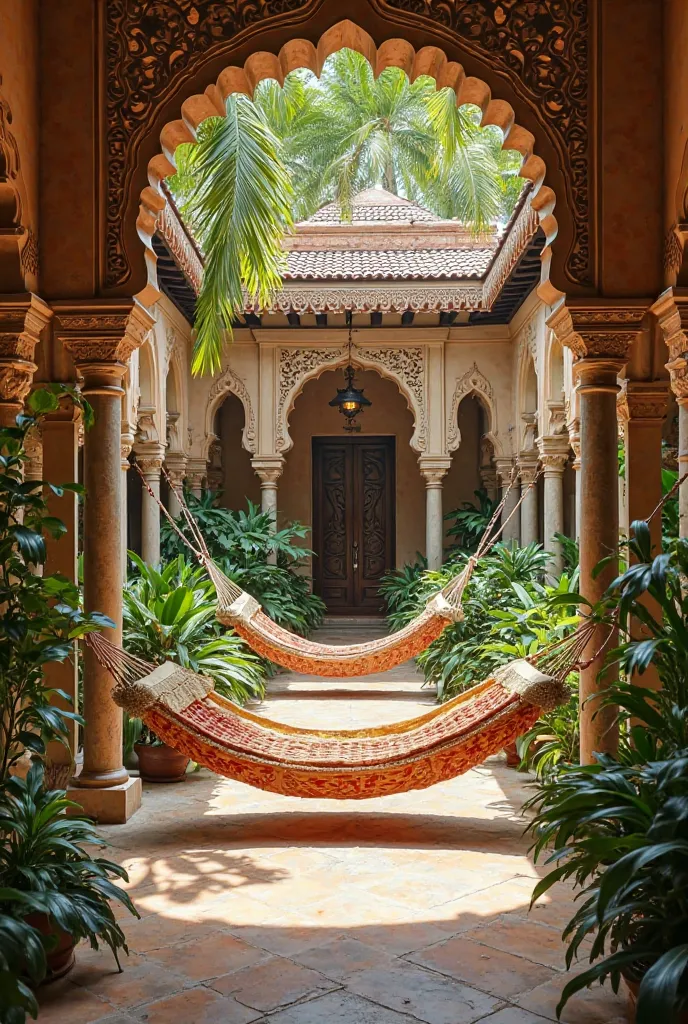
point(183, 709)
point(242, 612)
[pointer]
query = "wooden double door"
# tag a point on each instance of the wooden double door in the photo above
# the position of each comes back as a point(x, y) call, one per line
point(353, 521)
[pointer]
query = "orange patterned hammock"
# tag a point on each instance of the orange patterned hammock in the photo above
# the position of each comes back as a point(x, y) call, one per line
point(244, 614)
point(184, 710)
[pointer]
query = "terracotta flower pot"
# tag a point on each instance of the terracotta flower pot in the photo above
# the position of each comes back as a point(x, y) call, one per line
point(160, 763)
point(632, 987)
point(61, 958)
point(512, 758)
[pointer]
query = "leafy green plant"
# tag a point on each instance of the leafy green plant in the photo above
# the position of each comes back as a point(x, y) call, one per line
point(554, 740)
point(170, 616)
point(40, 616)
point(621, 833)
point(242, 542)
point(22, 955)
point(470, 521)
point(43, 852)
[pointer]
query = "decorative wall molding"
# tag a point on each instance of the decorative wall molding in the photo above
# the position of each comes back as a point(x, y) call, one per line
point(295, 367)
point(228, 383)
point(407, 367)
point(181, 245)
point(515, 244)
point(472, 382)
point(598, 331)
point(377, 295)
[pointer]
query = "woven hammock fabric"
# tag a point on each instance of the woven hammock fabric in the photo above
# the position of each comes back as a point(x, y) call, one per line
point(244, 614)
point(182, 708)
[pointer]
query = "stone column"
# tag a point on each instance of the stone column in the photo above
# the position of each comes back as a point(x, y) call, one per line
point(671, 310)
point(100, 342)
point(574, 438)
point(527, 468)
point(434, 469)
point(512, 528)
point(33, 467)
point(554, 454)
point(149, 457)
point(175, 464)
point(600, 336)
point(23, 321)
point(269, 470)
point(196, 475)
point(683, 465)
point(60, 455)
point(127, 443)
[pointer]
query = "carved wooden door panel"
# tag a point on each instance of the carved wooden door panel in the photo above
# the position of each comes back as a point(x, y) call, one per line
point(353, 521)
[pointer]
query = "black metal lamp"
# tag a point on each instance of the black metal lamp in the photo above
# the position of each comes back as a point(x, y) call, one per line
point(350, 400)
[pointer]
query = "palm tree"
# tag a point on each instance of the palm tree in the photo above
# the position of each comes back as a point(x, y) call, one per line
point(297, 147)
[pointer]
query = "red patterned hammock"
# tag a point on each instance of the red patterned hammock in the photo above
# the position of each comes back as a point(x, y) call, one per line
point(182, 708)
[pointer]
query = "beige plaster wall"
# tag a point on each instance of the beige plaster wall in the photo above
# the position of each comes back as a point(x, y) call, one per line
point(240, 482)
point(389, 414)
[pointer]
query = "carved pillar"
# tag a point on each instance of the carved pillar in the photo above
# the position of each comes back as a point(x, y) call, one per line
point(269, 470)
point(600, 337)
point(100, 342)
point(554, 454)
point(196, 475)
point(127, 443)
point(434, 469)
point(510, 520)
point(527, 470)
point(22, 322)
point(574, 439)
point(149, 458)
point(671, 310)
point(33, 446)
point(175, 464)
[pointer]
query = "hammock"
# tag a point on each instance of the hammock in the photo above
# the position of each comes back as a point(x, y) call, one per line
point(184, 711)
point(244, 614)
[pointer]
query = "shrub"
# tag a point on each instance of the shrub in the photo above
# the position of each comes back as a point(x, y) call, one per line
point(470, 521)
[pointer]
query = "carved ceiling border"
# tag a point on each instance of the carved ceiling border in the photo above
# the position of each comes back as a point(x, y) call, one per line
point(150, 48)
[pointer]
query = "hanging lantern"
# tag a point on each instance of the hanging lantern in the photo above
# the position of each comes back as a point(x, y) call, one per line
point(350, 400)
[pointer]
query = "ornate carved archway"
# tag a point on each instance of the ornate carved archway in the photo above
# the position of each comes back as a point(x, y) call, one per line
point(302, 53)
point(230, 383)
point(473, 382)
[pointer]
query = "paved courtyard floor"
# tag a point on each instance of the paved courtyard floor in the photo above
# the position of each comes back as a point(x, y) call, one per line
point(261, 908)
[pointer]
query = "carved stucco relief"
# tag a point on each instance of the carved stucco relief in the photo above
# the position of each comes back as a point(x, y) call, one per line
point(227, 383)
point(472, 382)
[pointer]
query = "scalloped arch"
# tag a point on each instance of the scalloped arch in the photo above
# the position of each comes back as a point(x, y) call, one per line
point(301, 53)
point(230, 383)
point(340, 357)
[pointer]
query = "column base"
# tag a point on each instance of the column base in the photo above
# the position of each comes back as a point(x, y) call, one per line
point(112, 806)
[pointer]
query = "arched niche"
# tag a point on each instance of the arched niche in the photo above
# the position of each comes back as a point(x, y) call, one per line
point(429, 60)
point(464, 477)
point(237, 479)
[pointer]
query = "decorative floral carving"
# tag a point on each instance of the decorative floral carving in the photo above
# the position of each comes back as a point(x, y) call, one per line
point(230, 383)
point(473, 381)
point(29, 253)
point(181, 245)
point(146, 430)
point(170, 342)
point(9, 150)
point(149, 46)
point(672, 256)
point(377, 295)
point(407, 366)
point(295, 365)
point(527, 340)
point(544, 45)
point(606, 332)
point(15, 381)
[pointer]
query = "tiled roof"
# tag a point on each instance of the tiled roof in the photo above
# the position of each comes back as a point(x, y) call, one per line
point(375, 206)
point(349, 265)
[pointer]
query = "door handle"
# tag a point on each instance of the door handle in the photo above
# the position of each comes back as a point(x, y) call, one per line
point(354, 555)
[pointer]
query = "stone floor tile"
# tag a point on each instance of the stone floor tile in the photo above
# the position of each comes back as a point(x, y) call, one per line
point(218, 954)
point(597, 1005)
point(342, 957)
point(337, 1008)
point(284, 936)
point(117, 1018)
point(195, 1006)
point(399, 938)
point(62, 1001)
point(272, 985)
point(427, 996)
point(137, 983)
point(529, 939)
point(157, 931)
point(501, 974)
point(514, 1015)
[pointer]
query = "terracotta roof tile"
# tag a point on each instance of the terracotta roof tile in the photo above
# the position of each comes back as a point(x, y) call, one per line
point(440, 264)
point(375, 206)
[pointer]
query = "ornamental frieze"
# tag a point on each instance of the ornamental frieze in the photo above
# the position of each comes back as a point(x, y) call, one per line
point(151, 47)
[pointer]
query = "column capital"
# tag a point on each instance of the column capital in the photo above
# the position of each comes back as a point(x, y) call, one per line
point(434, 468)
point(599, 328)
point(23, 319)
point(598, 374)
point(101, 338)
point(196, 473)
point(647, 400)
point(175, 464)
point(528, 466)
point(149, 456)
point(555, 450)
point(268, 468)
point(504, 465)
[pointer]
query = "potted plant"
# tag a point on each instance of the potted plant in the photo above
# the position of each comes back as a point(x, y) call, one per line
point(619, 828)
point(43, 854)
point(159, 762)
